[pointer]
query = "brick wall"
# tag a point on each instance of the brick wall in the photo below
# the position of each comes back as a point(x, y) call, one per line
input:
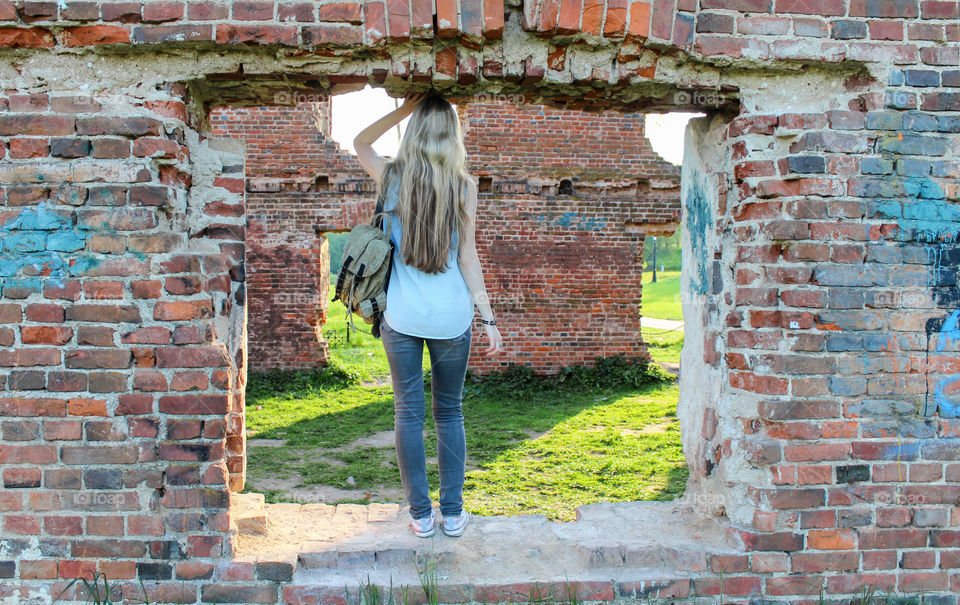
point(821, 217)
point(287, 265)
point(563, 270)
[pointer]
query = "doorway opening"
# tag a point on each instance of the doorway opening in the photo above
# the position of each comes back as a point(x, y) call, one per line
point(566, 239)
point(662, 309)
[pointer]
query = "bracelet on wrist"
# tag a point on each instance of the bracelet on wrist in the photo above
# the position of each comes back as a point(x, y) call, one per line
point(491, 322)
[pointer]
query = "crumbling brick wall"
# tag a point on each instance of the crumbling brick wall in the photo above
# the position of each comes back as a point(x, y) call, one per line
point(820, 213)
point(289, 159)
point(562, 260)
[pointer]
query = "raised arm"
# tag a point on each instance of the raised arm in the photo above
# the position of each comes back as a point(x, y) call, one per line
point(469, 262)
point(372, 162)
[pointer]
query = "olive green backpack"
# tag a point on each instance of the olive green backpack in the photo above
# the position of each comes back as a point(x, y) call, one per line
point(365, 273)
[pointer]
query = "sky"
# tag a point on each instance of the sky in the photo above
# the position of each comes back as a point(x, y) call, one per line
point(352, 112)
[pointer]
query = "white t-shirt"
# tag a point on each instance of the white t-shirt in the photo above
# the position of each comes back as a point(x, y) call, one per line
point(424, 304)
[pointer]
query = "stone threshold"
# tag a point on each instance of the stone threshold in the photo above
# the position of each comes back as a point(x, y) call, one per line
point(626, 550)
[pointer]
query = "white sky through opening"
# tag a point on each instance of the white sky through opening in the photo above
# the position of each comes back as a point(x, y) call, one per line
point(354, 111)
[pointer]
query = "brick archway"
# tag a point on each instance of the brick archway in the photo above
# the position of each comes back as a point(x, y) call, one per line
point(823, 221)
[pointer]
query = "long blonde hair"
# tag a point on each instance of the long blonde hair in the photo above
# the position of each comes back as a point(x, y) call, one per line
point(431, 167)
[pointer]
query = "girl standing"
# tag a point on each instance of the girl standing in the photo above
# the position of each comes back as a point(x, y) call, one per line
point(434, 284)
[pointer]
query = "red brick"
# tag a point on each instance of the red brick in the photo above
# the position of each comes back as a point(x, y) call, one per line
point(134, 404)
point(17, 478)
point(155, 147)
point(28, 454)
point(146, 288)
point(639, 19)
point(549, 16)
point(28, 148)
point(21, 524)
point(163, 11)
point(939, 9)
point(616, 18)
point(44, 313)
point(749, 381)
point(191, 357)
point(374, 22)
point(257, 34)
point(323, 35)
point(812, 7)
point(103, 313)
point(493, 19)
point(568, 17)
point(194, 404)
point(252, 11)
point(398, 17)
point(186, 381)
point(45, 356)
point(38, 570)
point(182, 310)
point(446, 63)
point(8, 11)
point(156, 335)
point(10, 313)
point(46, 335)
point(149, 380)
point(90, 35)
point(98, 358)
point(26, 37)
point(348, 12)
point(207, 11)
point(102, 290)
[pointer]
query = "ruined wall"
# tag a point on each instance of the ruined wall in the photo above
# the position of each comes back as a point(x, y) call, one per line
point(290, 159)
point(562, 266)
point(823, 275)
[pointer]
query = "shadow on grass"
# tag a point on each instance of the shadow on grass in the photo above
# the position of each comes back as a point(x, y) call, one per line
point(533, 447)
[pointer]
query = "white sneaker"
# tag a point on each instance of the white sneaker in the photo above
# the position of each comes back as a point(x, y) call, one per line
point(423, 528)
point(453, 526)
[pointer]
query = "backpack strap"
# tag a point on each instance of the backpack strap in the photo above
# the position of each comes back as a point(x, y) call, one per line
point(341, 277)
point(381, 218)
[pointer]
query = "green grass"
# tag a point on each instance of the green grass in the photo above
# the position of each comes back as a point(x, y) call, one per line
point(534, 445)
point(362, 353)
point(613, 446)
point(663, 345)
point(662, 299)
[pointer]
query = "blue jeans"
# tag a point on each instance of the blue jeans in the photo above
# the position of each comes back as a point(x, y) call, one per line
point(448, 362)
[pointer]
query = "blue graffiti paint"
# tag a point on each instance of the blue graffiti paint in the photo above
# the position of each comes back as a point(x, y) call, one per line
point(697, 221)
point(950, 332)
point(40, 242)
point(924, 216)
point(923, 220)
point(38, 218)
point(573, 220)
point(928, 218)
